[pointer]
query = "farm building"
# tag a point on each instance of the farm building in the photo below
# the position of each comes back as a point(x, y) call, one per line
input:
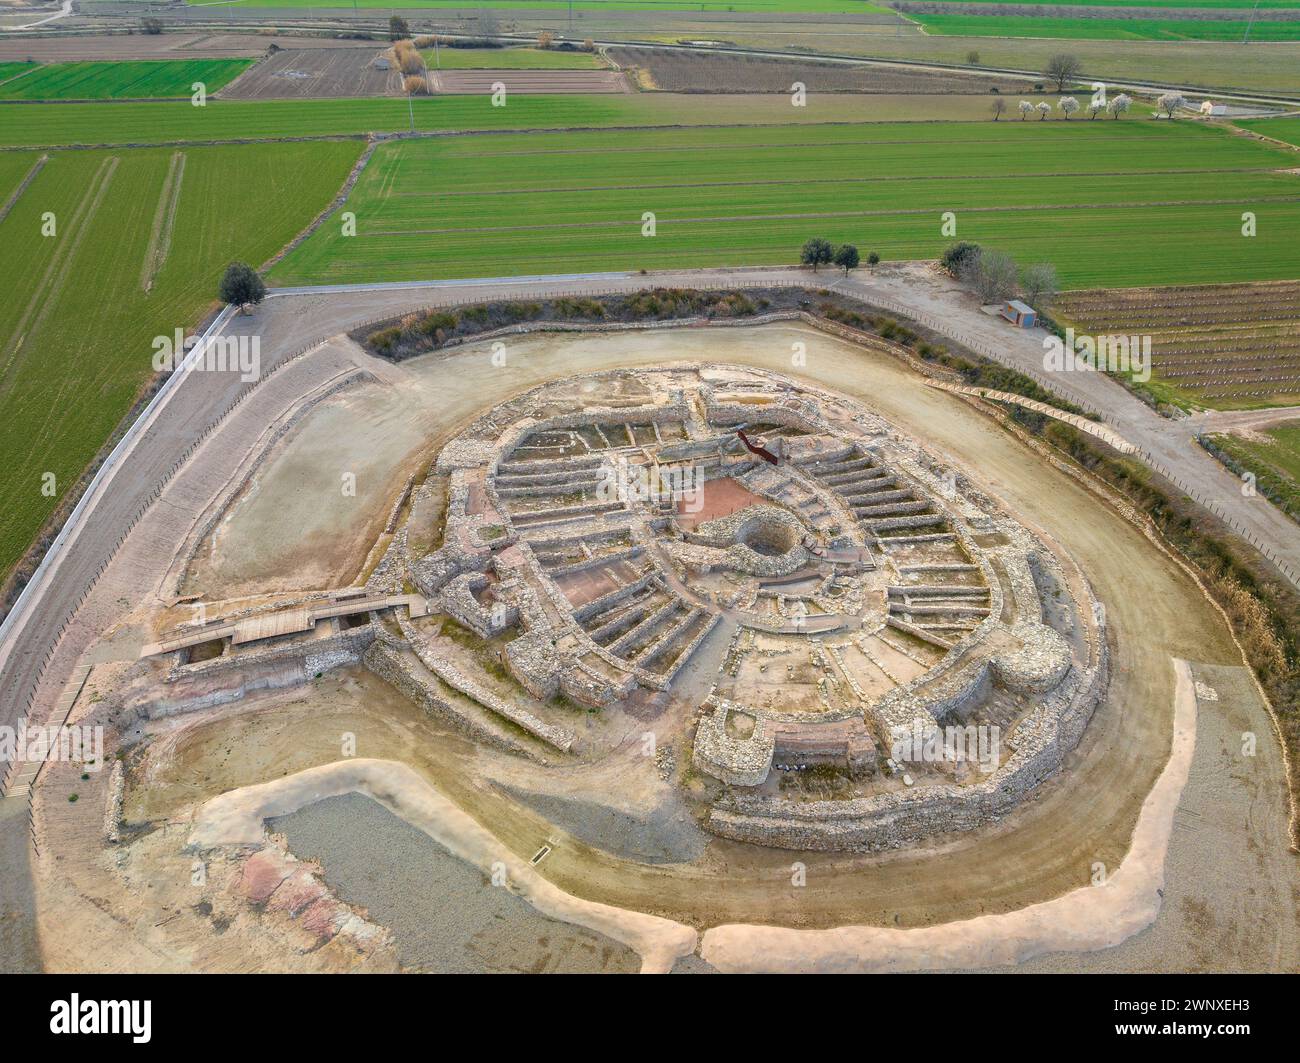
point(1019, 314)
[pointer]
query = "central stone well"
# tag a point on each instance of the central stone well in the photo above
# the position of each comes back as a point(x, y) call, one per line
point(767, 536)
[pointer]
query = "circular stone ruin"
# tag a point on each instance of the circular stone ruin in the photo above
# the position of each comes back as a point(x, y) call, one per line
point(858, 647)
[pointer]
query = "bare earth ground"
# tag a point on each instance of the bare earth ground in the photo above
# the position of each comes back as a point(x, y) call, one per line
point(483, 82)
point(142, 46)
point(315, 73)
point(671, 71)
point(1047, 849)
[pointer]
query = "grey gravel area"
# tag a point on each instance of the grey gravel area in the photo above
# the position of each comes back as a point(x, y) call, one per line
point(19, 952)
point(666, 835)
point(444, 915)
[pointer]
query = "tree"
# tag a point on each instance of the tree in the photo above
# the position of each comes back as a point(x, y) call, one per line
point(1044, 109)
point(873, 259)
point(1039, 283)
point(1120, 105)
point(1068, 106)
point(847, 257)
point(398, 29)
point(241, 285)
point(973, 57)
point(151, 26)
point(958, 256)
point(1170, 102)
point(1026, 109)
point(992, 274)
point(816, 252)
point(545, 39)
point(1095, 107)
point(999, 108)
point(1063, 68)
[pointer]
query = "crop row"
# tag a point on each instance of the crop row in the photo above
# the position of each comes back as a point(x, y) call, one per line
point(75, 369)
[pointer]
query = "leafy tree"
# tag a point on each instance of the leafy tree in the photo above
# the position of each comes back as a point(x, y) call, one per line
point(1063, 68)
point(992, 274)
point(847, 257)
point(1039, 283)
point(398, 29)
point(955, 259)
point(816, 252)
point(873, 259)
point(241, 285)
point(999, 108)
point(151, 26)
point(973, 57)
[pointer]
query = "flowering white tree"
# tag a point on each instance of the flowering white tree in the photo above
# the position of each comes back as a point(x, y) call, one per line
point(1026, 109)
point(1095, 108)
point(1120, 105)
point(1044, 109)
point(1068, 106)
point(1170, 102)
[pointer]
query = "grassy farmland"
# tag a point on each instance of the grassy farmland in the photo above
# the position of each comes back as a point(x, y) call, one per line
point(1164, 201)
point(122, 80)
point(1106, 29)
point(55, 125)
point(752, 6)
point(76, 326)
point(1273, 455)
point(1287, 129)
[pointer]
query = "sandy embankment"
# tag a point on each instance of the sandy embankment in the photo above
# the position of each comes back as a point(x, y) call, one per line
point(1084, 920)
point(236, 818)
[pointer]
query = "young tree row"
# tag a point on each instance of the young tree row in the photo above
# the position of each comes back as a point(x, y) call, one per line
point(818, 252)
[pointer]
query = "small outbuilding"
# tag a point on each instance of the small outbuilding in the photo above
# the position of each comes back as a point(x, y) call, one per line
point(1020, 314)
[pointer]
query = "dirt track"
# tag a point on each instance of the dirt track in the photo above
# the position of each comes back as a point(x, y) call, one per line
point(315, 73)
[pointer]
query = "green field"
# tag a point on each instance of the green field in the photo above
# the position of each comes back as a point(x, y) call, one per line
point(1105, 29)
point(572, 202)
point(54, 125)
point(753, 6)
point(76, 324)
point(1217, 5)
point(1274, 459)
point(11, 70)
point(122, 80)
point(509, 59)
point(1287, 129)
